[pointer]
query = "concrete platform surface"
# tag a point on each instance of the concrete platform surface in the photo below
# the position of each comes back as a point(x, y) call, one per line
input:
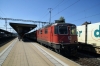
point(5, 46)
point(31, 54)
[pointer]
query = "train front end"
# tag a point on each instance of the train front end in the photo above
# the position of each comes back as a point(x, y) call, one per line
point(67, 38)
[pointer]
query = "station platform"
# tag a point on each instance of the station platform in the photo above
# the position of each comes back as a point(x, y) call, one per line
point(20, 53)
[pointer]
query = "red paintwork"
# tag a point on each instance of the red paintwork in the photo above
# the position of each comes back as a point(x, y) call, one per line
point(55, 38)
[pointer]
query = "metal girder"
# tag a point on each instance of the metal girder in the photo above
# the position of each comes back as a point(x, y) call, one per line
point(22, 20)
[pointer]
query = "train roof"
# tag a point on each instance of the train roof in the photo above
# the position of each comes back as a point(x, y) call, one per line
point(63, 23)
point(7, 32)
point(57, 24)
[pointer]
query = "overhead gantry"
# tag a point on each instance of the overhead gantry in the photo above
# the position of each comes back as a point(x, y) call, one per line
point(12, 19)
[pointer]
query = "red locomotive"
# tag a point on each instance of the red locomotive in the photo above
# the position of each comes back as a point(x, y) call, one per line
point(62, 37)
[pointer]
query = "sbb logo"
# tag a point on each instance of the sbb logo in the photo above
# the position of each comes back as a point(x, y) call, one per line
point(95, 34)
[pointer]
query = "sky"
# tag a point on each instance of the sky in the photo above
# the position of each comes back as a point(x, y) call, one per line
point(74, 11)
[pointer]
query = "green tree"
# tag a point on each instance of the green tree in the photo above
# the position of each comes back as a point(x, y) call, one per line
point(61, 20)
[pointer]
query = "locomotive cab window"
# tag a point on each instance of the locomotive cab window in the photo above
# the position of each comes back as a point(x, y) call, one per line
point(37, 32)
point(73, 30)
point(62, 29)
point(46, 31)
point(56, 29)
point(41, 31)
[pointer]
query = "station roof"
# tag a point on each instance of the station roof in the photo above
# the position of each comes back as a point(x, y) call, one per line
point(21, 28)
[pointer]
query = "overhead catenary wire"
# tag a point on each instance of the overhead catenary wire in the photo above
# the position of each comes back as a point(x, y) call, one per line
point(50, 14)
point(84, 10)
point(43, 17)
point(66, 8)
point(46, 13)
point(54, 7)
point(86, 17)
point(5, 19)
point(58, 4)
point(3, 13)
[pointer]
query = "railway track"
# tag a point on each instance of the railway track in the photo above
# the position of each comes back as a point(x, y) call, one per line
point(86, 59)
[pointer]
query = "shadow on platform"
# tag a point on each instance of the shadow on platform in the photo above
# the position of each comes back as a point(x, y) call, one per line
point(28, 40)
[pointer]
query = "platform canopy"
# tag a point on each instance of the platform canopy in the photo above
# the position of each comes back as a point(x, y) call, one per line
point(21, 28)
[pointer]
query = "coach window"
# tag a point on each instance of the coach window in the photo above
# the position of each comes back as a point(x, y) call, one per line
point(56, 29)
point(46, 31)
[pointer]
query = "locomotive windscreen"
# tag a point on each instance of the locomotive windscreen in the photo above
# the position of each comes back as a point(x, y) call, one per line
point(62, 29)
